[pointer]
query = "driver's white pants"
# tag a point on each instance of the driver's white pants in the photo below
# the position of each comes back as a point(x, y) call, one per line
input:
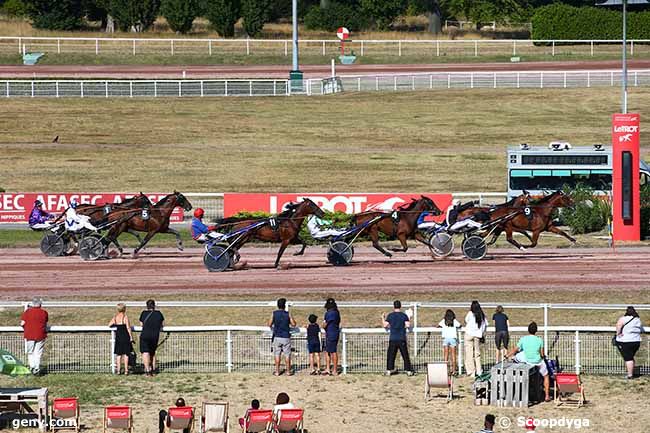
point(427, 225)
point(41, 226)
point(460, 225)
point(324, 234)
point(82, 222)
point(204, 237)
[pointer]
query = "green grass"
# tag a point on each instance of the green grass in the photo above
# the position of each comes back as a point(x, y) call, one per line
point(428, 141)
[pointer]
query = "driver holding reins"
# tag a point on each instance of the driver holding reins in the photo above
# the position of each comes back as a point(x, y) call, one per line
point(75, 222)
point(322, 229)
point(201, 232)
point(455, 225)
point(39, 219)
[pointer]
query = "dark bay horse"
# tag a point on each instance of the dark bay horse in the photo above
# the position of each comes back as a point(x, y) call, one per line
point(284, 228)
point(539, 220)
point(403, 227)
point(152, 220)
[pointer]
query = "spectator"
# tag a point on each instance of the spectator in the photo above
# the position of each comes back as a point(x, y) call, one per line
point(123, 337)
point(475, 326)
point(628, 338)
point(255, 405)
point(282, 401)
point(152, 321)
point(313, 344)
point(397, 323)
point(450, 327)
point(162, 417)
point(488, 424)
point(34, 323)
point(332, 325)
point(501, 335)
point(530, 349)
point(280, 323)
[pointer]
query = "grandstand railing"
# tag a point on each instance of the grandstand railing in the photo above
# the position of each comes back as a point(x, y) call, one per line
point(320, 47)
point(147, 88)
point(194, 349)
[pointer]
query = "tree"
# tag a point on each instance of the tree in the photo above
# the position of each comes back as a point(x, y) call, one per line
point(431, 8)
point(55, 14)
point(223, 14)
point(180, 14)
point(137, 15)
point(485, 10)
point(255, 13)
point(383, 12)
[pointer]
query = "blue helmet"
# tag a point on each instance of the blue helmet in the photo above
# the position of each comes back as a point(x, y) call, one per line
point(73, 203)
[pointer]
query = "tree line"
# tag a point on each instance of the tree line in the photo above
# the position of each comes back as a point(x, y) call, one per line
point(140, 15)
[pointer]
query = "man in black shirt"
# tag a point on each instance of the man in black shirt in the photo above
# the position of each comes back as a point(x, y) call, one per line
point(152, 322)
point(397, 323)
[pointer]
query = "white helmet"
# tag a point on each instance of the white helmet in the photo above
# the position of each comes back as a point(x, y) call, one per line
point(74, 203)
point(455, 202)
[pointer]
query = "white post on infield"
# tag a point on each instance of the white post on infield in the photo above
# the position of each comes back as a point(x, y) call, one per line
point(546, 329)
point(229, 350)
point(333, 68)
point(344, 352)
point(114, 366)
point(415, 329)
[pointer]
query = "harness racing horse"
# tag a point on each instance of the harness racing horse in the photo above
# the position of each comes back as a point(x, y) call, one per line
point(284, 228)
point(154, 220)
point(400, 224)
point(539, 220)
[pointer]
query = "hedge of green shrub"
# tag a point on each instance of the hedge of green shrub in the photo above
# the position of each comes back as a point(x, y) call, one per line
point(333, 17)
point(561, 21)
point(590, 213)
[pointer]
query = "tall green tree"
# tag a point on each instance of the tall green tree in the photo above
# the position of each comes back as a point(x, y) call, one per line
point(383, 12)
point(223, 14)
point(138, 15)
point(180, 14)
point(255, 13)
point(485, 10)
point(55, 14)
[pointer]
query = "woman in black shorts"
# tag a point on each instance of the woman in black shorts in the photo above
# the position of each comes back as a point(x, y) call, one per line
point(152, 322)
point(628, 338)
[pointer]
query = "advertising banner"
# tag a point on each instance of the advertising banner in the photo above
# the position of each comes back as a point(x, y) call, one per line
point(626, 206)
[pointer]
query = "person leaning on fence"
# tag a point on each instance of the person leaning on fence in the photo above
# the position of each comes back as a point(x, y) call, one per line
point(34, 323)
point(530, 349)
point(475, 326)
point(397, 323)
point(123, 337)
point(450, 326)
point(501, 334)
point(163, 420)
point(281, 323)
point(628, 338)
point(152, 321)
point(332, 325)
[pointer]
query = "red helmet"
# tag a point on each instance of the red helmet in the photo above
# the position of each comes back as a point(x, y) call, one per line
point(198, 213)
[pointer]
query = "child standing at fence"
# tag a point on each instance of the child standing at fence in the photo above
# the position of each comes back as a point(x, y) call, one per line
point(313, 344)
point(450, 327)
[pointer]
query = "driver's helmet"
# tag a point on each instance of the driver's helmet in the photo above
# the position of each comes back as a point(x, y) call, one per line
point(74, 203)
point(198, 213)
point(455, 202)
point(38, 203)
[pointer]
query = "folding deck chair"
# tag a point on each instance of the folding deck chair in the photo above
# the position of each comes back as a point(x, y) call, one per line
point(257, 421)
point(214, 417)
point(288, 420)
point(179, 419)
point(65, 409)
point(118, 418)
point(438, 377)
point(566, 384)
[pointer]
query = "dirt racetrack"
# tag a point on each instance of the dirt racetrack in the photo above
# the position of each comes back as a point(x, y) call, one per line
point(167, 271)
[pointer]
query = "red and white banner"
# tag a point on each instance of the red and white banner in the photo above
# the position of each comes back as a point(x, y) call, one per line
point(15, 207)
point(349, 203)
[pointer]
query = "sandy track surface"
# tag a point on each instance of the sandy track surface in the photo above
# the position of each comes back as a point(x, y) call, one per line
point(167, 271)
point(282, 71)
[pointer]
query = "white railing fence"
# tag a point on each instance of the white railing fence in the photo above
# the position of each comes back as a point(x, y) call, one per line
point(319, 47)
point(364, 83)
point(193, 349)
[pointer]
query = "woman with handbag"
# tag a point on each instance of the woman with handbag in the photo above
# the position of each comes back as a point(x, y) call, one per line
point(123, 337)
point(628, 338)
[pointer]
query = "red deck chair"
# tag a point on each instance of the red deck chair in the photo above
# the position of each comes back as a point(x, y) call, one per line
point(567, 384)
point(257, 421)
point(287, 420)
point(65, 409)
point(180, 418)
point(118, 418)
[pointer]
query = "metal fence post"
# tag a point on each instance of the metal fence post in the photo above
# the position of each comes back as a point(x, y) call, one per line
point(323, 47)
point(362, 48)
point(592, 48)
point(7, 89)
point(114, 366)
point(541, 80)
point(32, 89)
point(359, 84)
point(399, 48)
point(96, 47)
point(461, 351)
point(415, 329)
point(58, 46)
point(155, 89)
point(430, 81)
point(475, 48)
point(20, 45)
point(229, 350)
point(172, 46)
point(130, 89)
point(275, 92)
point(636, 76)
point(250, 87)
point(565, 79)
point(210, 47)
point(134, 47)
point(248, 47)
point(180, 88)
point(471, 80)
point(437, 48)
point(631, 47)
point(611, 79)
point(395, 83)
point(495, 80)
point(225, 87)
point(448, 80)
point(517, 80)
point(81, 87)
point(576, 343)
point(514, 47)
point(412, 82)
point(545, 306)
point(377, 83)
point(201, 88)
point(286, 48)
point(106, 89)
point(56, 83)
point(553, 49)
point(588, 79)
point(344, 352)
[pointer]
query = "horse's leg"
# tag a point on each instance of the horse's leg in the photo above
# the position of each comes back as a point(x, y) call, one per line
point(135, 234)
point(557, 231)
point(283, 246)
point(495, 235)
point(374, 235)
point(143, 243)
point(179, 240)
point(297, 240)
point(402, 240)
point(511, 240)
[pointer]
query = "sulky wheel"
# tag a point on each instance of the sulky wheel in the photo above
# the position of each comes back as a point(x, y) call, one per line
point(340, 253)
point(441, 244)
point(53, 245)
point(216, 258)
point(474, 247)
point(91, 247)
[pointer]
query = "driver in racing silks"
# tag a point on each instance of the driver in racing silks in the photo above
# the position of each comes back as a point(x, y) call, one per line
point(321, 229)
point(453, 211)
point(39, 219)
point(75, 222)
point(201, 232)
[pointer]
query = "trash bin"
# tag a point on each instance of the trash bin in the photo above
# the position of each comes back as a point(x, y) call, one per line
point(296, 82)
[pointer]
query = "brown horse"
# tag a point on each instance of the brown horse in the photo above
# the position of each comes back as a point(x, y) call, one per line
point(153, 220)
point(538, 220)
point(403, 225)
point(284, 228)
